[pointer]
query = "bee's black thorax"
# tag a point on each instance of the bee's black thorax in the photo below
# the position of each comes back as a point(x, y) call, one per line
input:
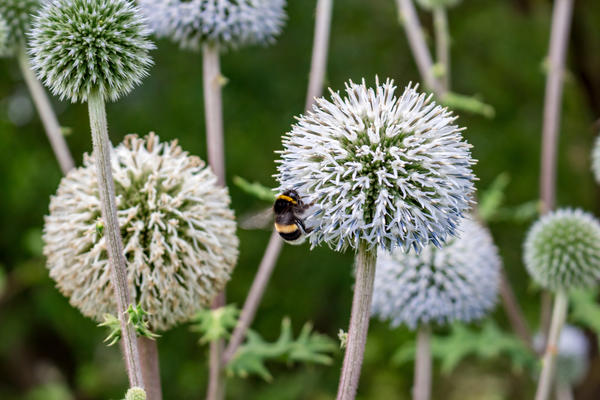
point(281, 206)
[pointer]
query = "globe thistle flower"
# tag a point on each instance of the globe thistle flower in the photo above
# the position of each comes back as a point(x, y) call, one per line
point(228, 23)
point(178, 233)
point(457, 282)
point(389, 171)
point(572, 361)
point(80, 46)
point(596, 159)
point(562, 250)
point(17, 17)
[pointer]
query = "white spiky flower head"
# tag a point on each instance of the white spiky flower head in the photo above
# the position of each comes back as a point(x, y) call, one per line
point(81, 46)
point(572, 360)
point(596, 159)
point(562, 250)
point(381, 169)
point(228, 23)
point(178, 233)
point(439, 285)
point(17, 15)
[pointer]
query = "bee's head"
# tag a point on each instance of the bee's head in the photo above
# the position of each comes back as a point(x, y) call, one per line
point(285, 200)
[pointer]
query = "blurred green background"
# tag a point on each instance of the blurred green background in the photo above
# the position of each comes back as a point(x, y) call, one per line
point(49, 351)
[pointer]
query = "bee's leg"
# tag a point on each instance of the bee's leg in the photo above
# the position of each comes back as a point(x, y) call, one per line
point(300, 223)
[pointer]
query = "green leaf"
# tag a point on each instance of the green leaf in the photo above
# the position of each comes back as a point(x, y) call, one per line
point(255, 189)
point(309, 347)
point(493, 197)
point(215, 324)
point(137, 318)
point(114, 329)
point(585, 310)
point(470, 104)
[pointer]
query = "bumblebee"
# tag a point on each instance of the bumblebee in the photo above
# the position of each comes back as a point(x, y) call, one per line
point(289, 214)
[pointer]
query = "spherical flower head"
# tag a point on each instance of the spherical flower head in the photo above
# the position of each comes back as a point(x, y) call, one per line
point(17, 16)
point(385, 170)
point(572, 360)
point(596, 159)
point(82, 46)
point(562, 250)
point(135, 393)
point(228, 23)
point(177, 228)
point(456, 282)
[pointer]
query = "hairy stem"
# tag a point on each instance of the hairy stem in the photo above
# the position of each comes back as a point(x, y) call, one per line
point(150, 367)
point(49, 120)
point(213, 108)
point(559, 315)
point(442, 44)
point(416, 41)
point(114, 244)
point(359, 323)
point(319, 52)
point(422, 382)
point(254, 296)
point(561, 21)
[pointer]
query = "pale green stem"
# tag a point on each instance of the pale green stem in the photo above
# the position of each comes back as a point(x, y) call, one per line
point(559, 315)
point(150, 367)
point(564, 391)
point(46, 113)
point(422, 379)
point(359, 323)
point(318, 63)
point(442, 44)
point(112, 234)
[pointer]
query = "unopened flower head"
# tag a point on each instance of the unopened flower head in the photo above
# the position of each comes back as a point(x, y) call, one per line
point(82, 46)
point(457, 282)
point(229, 23)
point(385, 170)
point(596, 159)
point(178, 233)
point(562, 250)
point(17, 16)
point(135, 393)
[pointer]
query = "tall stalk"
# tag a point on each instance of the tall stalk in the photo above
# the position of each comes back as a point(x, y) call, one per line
point(150, 367)
point(318, 63)
point(559, 315)
point(442, 44)
point(561, 22)
point(114, 244)
point(47, 115)
point(359, 323)
point(422, 379)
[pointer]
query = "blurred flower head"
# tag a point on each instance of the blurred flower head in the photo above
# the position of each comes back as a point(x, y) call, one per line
point(596, 159)
point(562, 250)
point(81, 46)
point(5, 48)
point(229, 23)
point(178, 233)
point(456, 282)
point(17, 16)
point(385, 170)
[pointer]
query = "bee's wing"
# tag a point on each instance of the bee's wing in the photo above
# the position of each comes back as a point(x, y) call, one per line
point(257, 220)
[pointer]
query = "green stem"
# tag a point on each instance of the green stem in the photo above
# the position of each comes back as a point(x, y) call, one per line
point(359, 323)
point(559, 314)
point(114, 244)
point(442, 44)
point(422, 380)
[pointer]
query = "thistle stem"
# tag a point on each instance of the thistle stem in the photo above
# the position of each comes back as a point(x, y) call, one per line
point(416, 41)
point(267, 264)
point(422, 380)
point(564, 391)
point(213, 107)
point(561, 21)
point(442, 44)
point(359, 323)
point(257, 290)
point(513, 310)
point(49, 120)
point(113, 234)
point(319, 52)
point(150, 367)
point(559, 315)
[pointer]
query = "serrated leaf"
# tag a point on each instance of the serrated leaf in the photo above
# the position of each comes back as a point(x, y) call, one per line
point(492, 198)
point(215, 324)
point(255, 189)
point(470, 104)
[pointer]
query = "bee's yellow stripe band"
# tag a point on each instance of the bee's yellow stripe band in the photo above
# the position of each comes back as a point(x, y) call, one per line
point(286, 228)
point(288, 198)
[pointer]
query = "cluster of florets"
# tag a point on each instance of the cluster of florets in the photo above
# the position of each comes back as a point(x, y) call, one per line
point(228, 23)
point(178, 233)
point(15, 17)
point(385, 170)
point(562, 250)
point(82, 46)
point(459, 281)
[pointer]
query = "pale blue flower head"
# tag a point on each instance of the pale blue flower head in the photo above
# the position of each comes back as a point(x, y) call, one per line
point(80, 46)
point(439, 285)
point(228, 23)
point(562, 250)
point(389, 171)
point(17, 16)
